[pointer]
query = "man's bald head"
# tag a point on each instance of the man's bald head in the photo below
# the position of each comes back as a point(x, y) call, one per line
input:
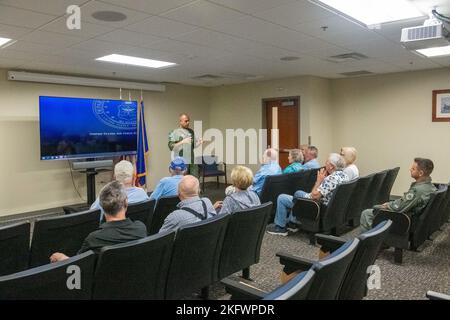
point(184, 120)
point(188, 187)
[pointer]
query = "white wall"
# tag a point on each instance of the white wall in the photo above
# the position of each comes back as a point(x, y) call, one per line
point(29, 184)
point(240, 106)
point(388, 119)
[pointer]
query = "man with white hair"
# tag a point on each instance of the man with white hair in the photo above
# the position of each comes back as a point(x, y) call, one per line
point(269, 167)
point(328, 179)
point(124, 173)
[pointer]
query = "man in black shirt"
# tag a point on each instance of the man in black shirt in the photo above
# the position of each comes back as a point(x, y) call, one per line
point(117, 228)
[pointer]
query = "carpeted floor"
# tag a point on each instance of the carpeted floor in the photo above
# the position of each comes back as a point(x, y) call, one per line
point(420, 271)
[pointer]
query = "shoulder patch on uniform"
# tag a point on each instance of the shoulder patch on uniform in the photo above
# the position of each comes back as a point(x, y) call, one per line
point(409, 196)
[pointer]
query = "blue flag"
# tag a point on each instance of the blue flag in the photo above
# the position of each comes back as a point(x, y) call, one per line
point(142, 152)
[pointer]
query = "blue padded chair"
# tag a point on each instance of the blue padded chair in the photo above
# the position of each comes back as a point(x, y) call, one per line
point(209, 167)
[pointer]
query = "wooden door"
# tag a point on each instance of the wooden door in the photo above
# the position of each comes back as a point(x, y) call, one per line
point(283, 114)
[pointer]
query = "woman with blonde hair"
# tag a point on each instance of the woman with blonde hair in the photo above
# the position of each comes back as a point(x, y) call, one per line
point(241, 198)
point(349, 155)
point(295, 161)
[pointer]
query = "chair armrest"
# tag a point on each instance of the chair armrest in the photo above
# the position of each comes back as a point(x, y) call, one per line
point(240, 290)
point(294, 262)
point(329, 243)
point(401, 222)
point(432, 295)
point(306, 209)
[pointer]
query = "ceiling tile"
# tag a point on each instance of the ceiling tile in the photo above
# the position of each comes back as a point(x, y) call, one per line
point(190, 50)
point(23, 18)
point(51, 39)
point(161, 27)
point(31, 47)
point(12, 32)
point(129, 37)
point(11, 62)
point(87, 31)
point(294, 13)
point(52, 7)
point(252, 6)
point(202, 13)
point(94, 6)
point(152, 7)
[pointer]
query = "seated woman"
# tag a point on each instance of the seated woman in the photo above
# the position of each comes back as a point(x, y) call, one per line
point(295, 161)
point(241, 198)
point(349, 155)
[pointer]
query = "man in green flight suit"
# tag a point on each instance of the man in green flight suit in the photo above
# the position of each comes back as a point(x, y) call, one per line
point(414, 200)
point(182, 142)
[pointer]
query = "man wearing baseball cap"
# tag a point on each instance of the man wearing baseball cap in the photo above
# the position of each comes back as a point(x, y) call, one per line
point(168, 186)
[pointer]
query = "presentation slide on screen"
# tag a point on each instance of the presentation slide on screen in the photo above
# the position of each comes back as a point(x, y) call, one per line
point(83, 128)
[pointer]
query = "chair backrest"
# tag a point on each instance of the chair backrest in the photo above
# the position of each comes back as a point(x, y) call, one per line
point(69, 279)
point(14, 247)
point(208, 163)
point(386, 186)
point(422, 225)
point(374, 188)
point(142, 211)
point(436, 211)
point(355, 282)
point(302, 180)
point(330, 272)
point(295, 289)
point(61, 234)
point(164, 206)
point(357, 200)
point(334, 215)
point(446, 207)
point(243, 238)
point(274, 186)
point(134, 270)
point(195, 257)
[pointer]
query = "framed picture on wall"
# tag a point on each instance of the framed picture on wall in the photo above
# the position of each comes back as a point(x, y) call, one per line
point(441, 105)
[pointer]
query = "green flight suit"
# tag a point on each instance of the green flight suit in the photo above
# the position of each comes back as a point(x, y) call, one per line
point(412, 202)
point(185, 150)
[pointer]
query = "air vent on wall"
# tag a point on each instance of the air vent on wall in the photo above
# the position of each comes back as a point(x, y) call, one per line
point(356, 73)
point(352, 56)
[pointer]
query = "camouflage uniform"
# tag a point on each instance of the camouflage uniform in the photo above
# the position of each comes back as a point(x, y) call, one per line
point(186, 151)
point(412, 202)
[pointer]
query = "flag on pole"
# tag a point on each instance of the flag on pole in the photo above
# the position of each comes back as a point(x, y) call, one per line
point(142, 152)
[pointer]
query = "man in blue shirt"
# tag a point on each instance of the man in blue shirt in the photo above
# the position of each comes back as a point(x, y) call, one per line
point(269, 167)
point(124, 173)
point(168, 186)
point(311, 162)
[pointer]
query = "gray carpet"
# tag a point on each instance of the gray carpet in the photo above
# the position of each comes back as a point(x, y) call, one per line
point(420, 271)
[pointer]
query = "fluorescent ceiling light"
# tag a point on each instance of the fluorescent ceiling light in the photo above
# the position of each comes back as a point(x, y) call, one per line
point(135, 61)
point(372, 12)
point(435, 52)
point(4, 40)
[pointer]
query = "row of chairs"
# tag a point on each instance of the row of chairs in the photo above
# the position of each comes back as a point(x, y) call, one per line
point(341, 275)
point(411, 231)
point(346, 204)
point(168, 265)
point(66, 234)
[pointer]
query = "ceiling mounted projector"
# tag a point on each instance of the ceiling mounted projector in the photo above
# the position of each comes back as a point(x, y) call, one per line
point(429, 35)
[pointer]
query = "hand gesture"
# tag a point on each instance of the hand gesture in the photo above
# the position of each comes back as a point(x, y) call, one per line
point(187, 140)
point(321, 175)
point(218, 204)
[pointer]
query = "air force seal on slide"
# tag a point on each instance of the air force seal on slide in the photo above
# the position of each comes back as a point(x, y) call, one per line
point(122, 116)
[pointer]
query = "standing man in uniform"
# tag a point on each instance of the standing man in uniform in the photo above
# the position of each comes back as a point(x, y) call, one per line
point(182, 142)
point(414, 200)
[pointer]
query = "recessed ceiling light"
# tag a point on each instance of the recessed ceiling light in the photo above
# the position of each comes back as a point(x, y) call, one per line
point(435, 52)
point(135, 61)
point(4, 41)
point(109, 16)
point(372, 12)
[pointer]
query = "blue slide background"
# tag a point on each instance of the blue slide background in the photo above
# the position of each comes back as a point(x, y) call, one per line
point(86, 128)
